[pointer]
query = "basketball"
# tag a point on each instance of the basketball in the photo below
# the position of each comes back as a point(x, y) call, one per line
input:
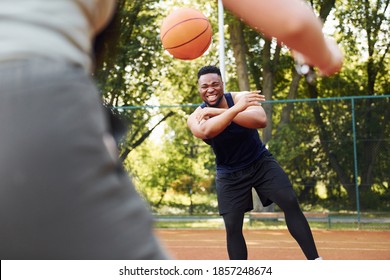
point(186, 33)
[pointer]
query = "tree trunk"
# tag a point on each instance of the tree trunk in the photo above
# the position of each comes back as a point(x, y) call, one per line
point(292, 94)
point(239, 51)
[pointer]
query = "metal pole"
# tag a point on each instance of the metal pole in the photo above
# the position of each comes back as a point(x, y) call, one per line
point(221, 40)
point(355, 161)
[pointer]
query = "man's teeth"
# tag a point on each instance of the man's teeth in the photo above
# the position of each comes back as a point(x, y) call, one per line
point(212, 97)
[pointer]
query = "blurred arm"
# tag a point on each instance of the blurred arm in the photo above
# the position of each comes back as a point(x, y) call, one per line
point(294, 23)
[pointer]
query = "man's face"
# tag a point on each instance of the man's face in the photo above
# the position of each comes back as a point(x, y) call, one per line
point(211, 89)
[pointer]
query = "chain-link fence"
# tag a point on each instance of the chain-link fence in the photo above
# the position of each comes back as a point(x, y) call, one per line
point(336, 151)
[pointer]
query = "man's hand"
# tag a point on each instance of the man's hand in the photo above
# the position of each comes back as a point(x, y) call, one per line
point(246, 99)
point(208, 112)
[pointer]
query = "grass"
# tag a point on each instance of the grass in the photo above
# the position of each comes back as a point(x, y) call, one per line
point(215, 222)
point(175, 213)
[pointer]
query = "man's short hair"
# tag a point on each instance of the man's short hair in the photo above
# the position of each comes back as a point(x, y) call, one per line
point(209, 69)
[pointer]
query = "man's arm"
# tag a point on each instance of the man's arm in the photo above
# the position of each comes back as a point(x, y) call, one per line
point(209, 122)
point(254, 116)
point(207, 128)
point(294, 24)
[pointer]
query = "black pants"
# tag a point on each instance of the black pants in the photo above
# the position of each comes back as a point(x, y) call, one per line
point(296, 223)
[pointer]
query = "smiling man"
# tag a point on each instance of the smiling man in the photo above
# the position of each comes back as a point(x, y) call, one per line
point(229, 123)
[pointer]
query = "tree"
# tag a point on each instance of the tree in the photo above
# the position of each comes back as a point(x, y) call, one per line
point(370, 20)
point(127, 56)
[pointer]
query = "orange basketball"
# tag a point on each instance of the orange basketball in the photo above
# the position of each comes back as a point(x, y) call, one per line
point(186, 33)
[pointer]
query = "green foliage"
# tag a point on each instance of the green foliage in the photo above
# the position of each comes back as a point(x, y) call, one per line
point(168, 165)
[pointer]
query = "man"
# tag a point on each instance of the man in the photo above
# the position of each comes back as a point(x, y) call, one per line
point(228, 122)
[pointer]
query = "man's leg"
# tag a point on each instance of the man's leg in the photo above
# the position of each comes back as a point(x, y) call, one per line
point(296, 222)
point(236, 245)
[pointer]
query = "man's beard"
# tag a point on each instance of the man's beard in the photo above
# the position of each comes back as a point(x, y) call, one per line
point(216, 103)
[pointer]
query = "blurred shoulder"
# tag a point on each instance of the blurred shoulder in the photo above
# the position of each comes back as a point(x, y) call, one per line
point(98, 11)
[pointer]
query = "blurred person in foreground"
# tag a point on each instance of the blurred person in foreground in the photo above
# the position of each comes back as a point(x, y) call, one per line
point(63, 192)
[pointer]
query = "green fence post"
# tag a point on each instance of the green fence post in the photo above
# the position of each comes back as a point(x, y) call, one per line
point(355, 161)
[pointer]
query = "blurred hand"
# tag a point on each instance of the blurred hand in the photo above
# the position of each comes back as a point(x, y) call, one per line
point(333, 66)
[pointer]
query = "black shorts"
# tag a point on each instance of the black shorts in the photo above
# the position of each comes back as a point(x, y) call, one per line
point(234, 189)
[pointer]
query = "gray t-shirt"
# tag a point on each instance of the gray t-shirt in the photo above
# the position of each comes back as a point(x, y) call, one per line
point(55, 29)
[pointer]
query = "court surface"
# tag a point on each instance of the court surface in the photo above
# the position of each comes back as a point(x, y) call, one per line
point(206, 244)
